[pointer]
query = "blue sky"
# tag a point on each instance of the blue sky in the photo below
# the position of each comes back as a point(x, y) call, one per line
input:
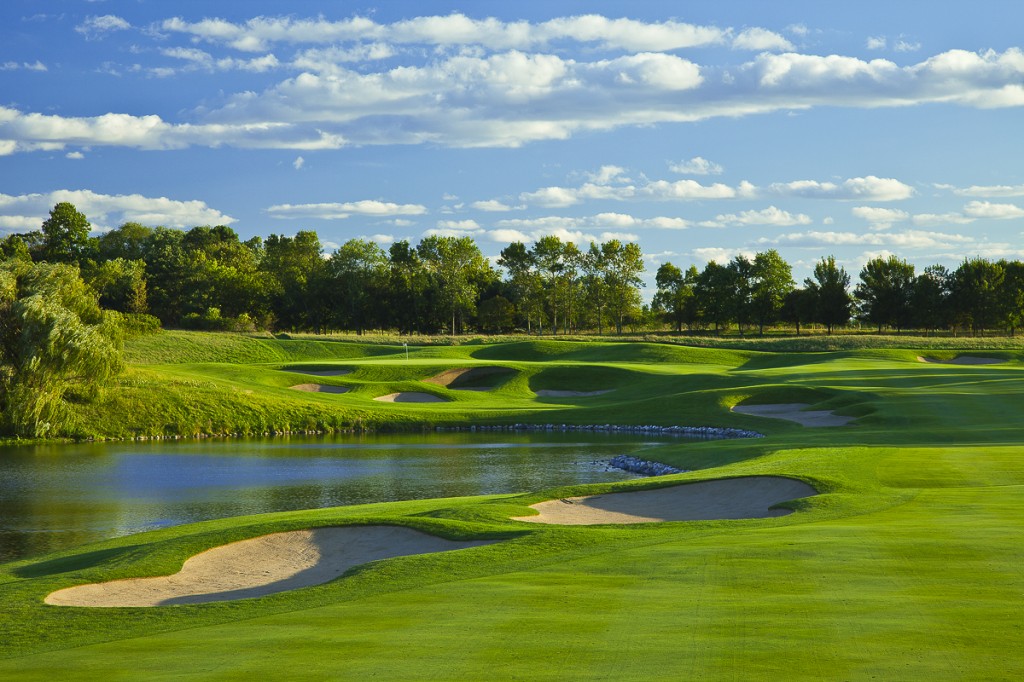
point(698, 129)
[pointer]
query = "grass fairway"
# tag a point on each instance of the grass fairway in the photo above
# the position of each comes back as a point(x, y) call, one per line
point(908, 565)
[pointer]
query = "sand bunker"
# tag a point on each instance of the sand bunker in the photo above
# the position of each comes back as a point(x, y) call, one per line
point(962, 360)
point(319, 388)
point(460, 379)
point(318, 372)
point(262, 566)
point(728, 498)
point(795, 412)
point(546, 393)
point(410, 397)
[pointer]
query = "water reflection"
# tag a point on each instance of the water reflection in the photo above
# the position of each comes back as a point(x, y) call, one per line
point(58, 496)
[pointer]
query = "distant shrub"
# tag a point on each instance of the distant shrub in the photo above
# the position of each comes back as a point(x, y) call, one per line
point(139, 324)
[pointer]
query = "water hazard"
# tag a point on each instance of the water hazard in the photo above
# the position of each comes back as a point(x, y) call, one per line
point(59, 496)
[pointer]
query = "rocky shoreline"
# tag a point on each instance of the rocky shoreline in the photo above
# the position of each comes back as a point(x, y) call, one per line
point(707, 432)
point(643, 467)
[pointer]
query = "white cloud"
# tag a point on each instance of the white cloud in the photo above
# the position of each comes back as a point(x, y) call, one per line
point(759, 39)
point(28, 66)
point(876, 43)
point(491, 206)
point(380, 239)
point(106, 211)
point(910, 239)
point(298, 163)
point(340, 211)
point(455, 30)
point(940, 219)
point(987, 190)
point(21, 132)
point(986, 209)
point(869, 188)
point(606, 220)
point(770, 216)
point(74, 155)
point(468, 225)
point(95, 27)
point(503, 90)
point(879, 218)
point(906, 46)
point(608, 174)
point(800, 30)
point(564, 231)
point(720, 255)
point(455, 228)
point(200, 60)
point(696, 166)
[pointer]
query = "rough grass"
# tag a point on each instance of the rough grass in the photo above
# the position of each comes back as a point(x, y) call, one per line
point(909, 564)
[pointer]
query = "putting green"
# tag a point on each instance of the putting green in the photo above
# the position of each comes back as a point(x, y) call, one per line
point(908, 564)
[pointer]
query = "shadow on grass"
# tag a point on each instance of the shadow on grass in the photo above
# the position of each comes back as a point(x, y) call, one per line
point(71, 563)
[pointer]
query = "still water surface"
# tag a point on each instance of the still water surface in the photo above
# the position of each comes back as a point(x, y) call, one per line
point(59, 496)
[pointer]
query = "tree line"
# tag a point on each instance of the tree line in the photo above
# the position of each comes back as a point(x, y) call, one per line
point(209, 278)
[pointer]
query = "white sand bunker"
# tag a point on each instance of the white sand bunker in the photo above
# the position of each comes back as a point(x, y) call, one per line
point(547, 393)
point(262, 566)
point(962, 360)
point(319, 372)
point(728, 498)
point(319, 388)
point(410, 397)
point(461, 379)
point(795, 412)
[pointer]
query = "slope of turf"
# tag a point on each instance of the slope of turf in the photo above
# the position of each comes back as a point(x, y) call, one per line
point(908, 565)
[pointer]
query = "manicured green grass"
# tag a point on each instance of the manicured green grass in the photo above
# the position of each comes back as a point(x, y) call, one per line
point(908, 565)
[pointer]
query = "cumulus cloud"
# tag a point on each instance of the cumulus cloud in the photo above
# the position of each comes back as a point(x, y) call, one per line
point(27, 66)
point(491, 206)
point(600, 220)
point(463, 82)
point(720, 255)
point(696, 166)
point(21, 132)
point(986, 209)
point(455, 228)
point(770, 216)
point(105, 211)
point(298, 163)
point(759, 39)
point(95, 27)
point(379, 239)
point(459, 30)
point(200, 60)
point(608, 174)
point(910, 239)
point(940, 219)
point(869, 188)
point(991, 191)
point(877, 43)
point(879, 218)
point(74, 155)
point(563, 230)
point(340, 211)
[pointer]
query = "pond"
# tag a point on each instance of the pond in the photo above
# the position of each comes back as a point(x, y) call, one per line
point(59, 496)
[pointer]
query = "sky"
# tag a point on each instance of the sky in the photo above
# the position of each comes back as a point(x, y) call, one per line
point(700, 130)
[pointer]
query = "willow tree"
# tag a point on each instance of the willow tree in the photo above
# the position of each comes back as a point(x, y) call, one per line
point(54, 341)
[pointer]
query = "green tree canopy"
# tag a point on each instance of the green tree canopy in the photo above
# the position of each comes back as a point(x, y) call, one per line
point(65, 235)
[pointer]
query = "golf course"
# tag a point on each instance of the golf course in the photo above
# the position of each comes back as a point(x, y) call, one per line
point(873, 532)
